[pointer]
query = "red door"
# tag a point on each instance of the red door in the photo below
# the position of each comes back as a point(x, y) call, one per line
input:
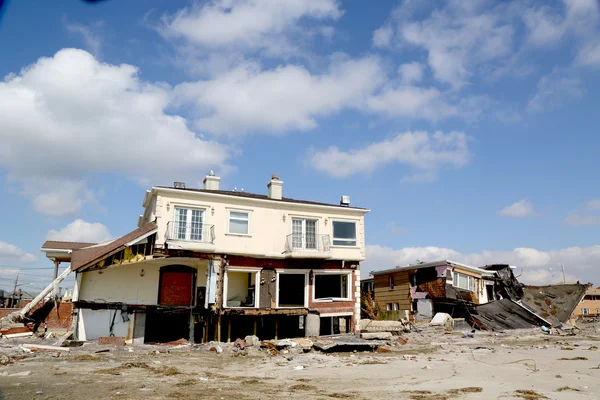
point(176, 287)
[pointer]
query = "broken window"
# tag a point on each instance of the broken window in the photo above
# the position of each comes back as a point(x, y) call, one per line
point(291, 289)
point(331, 286)
point(240, 288)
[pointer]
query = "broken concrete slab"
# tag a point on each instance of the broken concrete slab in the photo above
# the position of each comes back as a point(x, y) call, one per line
point(368, 325)
point(343, 343)
point(376, 335)
point(504, 314)
point(441, 319)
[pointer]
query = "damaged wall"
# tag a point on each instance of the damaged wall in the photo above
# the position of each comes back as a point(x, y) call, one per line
point(127, 284)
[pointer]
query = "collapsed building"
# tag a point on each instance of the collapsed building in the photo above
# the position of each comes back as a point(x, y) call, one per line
point(211, 264)
point(490, 297)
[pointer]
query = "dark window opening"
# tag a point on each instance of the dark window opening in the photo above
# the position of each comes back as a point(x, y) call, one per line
point(334, 325)
point(331, 286)
point(291, 290)
point(391, 282)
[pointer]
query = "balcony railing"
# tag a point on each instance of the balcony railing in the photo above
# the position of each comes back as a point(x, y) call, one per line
point(307, 242)
point(193, 232)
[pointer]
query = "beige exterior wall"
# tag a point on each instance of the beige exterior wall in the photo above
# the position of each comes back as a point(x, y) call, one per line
point(125, 283)
point(591, 301)
point(270, 223)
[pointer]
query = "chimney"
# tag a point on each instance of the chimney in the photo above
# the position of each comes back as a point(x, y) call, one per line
point(211, 182)
point(275, 187)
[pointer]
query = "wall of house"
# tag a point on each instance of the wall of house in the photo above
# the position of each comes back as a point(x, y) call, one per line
point(350, 307)
point(93, 324)
point(480, 295)
point(125, 283)
point(270, 224)
point(592, 305)
point(399, 295)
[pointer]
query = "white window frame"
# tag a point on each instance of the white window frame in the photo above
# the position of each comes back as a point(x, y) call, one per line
point(292, 272)
point(187, 206)
point(396, 306)
point(585, 311)
point(333, 238)
point(456, 281)
point(332, 272)
point(256, 284)
point(229, 211)
point(304, 219)
point(389, 306)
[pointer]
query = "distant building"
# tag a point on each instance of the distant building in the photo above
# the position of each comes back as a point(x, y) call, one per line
point(590, 304)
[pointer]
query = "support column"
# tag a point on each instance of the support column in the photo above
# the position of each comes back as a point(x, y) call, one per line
point(229, 329)
point(54, 276)
point(276, 328)
point(255, 325)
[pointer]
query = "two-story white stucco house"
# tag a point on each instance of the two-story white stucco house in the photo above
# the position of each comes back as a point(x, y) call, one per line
point(211, 264)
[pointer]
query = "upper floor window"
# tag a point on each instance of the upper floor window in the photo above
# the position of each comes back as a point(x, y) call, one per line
point(391, 282)
point(188, 223)
point(464, 281)
point(585, 311)
point(344, 233)
point(304, 233)
point(239, 222)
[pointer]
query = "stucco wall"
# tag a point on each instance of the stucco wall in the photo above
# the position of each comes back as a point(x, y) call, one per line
point(126, 284)
point(270, 223)
point(95, 323)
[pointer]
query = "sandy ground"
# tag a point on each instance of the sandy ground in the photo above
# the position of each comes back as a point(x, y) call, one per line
point(431, 366)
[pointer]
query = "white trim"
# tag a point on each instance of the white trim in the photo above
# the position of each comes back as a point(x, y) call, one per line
point(348, 273)
point(333, 221)
point(68, 251)
point(256, 284)
point(228, 222)
point(270, 202)
point(144, 236)
point(337, 314)
point(291, 272)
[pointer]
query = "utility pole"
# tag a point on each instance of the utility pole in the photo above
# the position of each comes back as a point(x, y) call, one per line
point(14, 293)
point(563, 272)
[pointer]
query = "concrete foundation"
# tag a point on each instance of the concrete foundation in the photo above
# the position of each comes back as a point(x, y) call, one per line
point(312, 325)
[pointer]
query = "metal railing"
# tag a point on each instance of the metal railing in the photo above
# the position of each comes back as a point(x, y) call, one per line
point(307, 242)
point(193, 232)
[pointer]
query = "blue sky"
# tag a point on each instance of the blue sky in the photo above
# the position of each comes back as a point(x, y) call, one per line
point(468, 128)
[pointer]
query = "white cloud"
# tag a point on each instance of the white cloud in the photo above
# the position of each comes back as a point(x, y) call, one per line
point(250, 99)
point(555, 89)
point(89, 34)
point(588, 215)
point(11, 254)
point(248, 25)
point(466, 40)
point(79, 116)
point(519, 209)
point(538, 266)
point(382, 37)
point(410, 72)
point(458, 38)
point(81, 231)
point(423, 152)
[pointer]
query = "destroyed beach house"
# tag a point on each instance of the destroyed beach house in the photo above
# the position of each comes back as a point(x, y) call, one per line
point(209, 264)
point(490, 297)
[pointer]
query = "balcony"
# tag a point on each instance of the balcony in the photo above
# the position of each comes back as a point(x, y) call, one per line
point(190, 236)
point(307, 246)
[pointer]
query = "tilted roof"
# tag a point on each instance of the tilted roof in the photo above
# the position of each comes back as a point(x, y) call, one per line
point(84, 256)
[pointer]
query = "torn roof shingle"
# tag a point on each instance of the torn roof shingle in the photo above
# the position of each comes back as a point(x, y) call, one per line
point(84, 256)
